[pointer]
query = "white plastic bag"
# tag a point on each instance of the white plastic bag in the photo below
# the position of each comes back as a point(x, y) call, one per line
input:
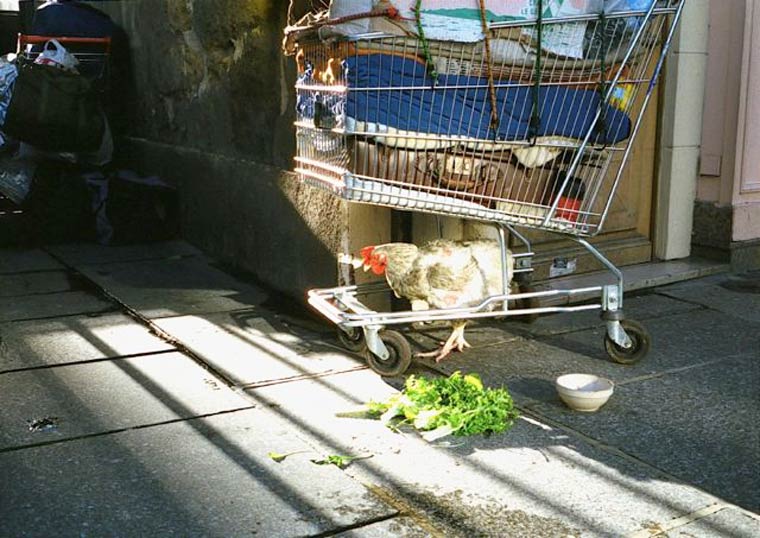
point(16, 176)
point(564, 40)
point(344, 8)
point(55, 54)
point(611, 6)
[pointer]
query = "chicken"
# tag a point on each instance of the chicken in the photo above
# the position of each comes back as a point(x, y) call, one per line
point(441, 274)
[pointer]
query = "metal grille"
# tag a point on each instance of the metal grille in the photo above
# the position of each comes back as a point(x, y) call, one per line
point(382, 120)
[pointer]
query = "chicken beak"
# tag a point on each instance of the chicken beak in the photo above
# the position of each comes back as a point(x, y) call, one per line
point(350, 260)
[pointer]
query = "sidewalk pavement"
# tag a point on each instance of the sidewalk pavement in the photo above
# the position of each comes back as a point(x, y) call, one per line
point(143, 388)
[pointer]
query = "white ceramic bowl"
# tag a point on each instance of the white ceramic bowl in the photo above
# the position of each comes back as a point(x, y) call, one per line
point(584, 392)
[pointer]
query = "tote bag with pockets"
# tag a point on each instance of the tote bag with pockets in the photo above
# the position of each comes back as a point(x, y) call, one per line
point(54, 110)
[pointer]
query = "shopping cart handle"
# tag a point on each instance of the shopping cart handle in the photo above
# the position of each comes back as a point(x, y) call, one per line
point(24, 40)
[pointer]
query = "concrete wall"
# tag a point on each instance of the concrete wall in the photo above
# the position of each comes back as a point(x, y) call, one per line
point(211, 109)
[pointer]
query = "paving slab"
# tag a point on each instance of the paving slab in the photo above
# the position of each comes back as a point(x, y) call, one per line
point(640, 307)
point(174, 286)
point(701, 425)
point(52, 305)
point(250, 349)
point(427, 337)
point(17, 261)
point(308, 324)
point(678, 341)
point(17, 285)
point(735, 295)
point(260, 323)
point(202, 478)
point(88, 253)
point(487, 333)
point(729, 522)
point(34, 344)
point(533, 473)
point(53, 404)
point(638, 277)
point(529, 366)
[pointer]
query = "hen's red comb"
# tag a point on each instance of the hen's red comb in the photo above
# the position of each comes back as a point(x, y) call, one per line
point(366, 253)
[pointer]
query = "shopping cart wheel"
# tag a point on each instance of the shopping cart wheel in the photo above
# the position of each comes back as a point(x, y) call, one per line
point(642, 342)
point(352, 339)
point(399, 358)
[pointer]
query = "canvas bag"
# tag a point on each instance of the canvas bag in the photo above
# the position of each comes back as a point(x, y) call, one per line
point(460, 20)
point(480, 179)
point(54, 110)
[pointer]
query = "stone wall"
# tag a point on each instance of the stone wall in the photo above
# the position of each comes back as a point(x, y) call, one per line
point(210, 108)
point(209, 75)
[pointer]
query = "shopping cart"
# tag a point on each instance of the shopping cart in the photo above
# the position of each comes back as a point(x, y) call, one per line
point(530, 128)
point(93, 54)
point(63, 112)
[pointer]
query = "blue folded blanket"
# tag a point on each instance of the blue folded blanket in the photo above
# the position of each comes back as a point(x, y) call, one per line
point(466, 110)
point(71, 19)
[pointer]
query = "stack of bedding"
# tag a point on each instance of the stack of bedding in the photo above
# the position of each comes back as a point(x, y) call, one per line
point(391, 95)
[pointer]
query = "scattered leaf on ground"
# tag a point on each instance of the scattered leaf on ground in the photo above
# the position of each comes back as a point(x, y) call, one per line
point(276, 456)
point(340, 461)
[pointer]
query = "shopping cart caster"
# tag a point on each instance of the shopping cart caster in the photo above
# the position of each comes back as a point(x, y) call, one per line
point(352, 339)
point(399, 355)
point(641, 342)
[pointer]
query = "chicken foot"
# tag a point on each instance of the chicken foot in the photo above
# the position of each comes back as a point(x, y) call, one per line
point(456, 341)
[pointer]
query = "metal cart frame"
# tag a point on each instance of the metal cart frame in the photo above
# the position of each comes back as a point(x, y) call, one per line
point(344, 131)
point(93, 52)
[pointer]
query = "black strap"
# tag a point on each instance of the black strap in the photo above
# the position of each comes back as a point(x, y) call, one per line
point(535, 118)
point(602, 127)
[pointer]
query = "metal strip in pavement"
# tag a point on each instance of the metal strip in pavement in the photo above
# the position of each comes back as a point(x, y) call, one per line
point(126, 429)
point(88, 361)
point(291, 379)
point(660, 529)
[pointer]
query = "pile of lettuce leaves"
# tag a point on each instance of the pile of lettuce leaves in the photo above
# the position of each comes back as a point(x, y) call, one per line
point(456, 405)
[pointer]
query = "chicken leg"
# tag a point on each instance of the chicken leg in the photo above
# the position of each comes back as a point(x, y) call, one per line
point(456, 341)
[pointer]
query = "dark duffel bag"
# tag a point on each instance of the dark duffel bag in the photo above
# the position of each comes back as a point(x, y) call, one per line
point(54, 110)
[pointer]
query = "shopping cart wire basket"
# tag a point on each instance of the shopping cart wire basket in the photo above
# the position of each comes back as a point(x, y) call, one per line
point(529, 127)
